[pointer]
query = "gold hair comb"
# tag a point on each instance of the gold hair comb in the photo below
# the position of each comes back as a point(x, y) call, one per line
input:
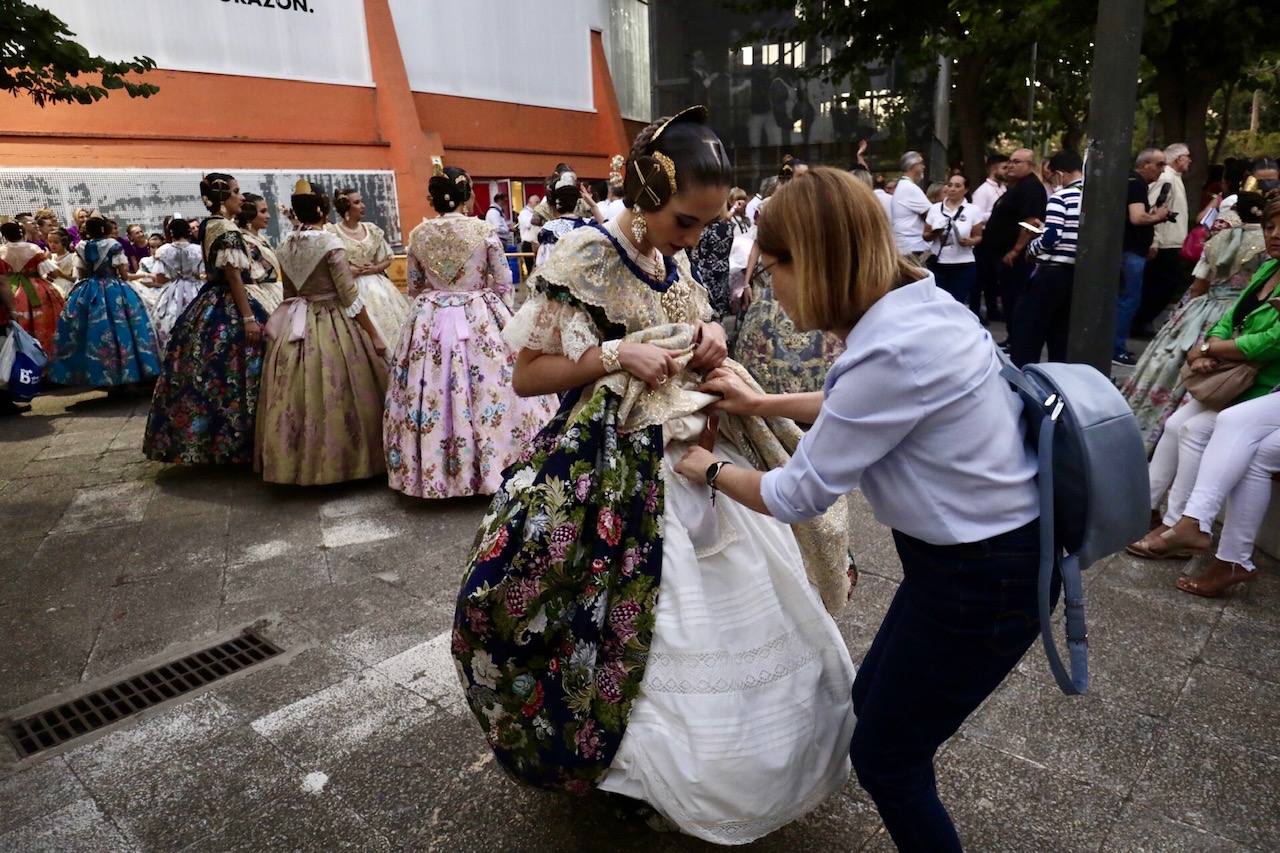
point(669, 166)
point(303, 187)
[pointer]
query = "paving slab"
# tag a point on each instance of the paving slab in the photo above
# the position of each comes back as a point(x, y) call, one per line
point(78, 826)
point(1233, 706)
point(199, 792)
point(1245, 644)
point(1212, 784)
point(45, 788)
point(1139, 831)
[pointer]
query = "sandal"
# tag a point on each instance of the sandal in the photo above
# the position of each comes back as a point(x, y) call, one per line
point(1217, 579)
point(1144, 548)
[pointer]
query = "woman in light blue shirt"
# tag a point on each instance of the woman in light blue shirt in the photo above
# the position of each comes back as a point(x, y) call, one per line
point(916, 415)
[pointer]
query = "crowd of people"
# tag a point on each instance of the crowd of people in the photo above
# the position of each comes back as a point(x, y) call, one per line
point(618, 628)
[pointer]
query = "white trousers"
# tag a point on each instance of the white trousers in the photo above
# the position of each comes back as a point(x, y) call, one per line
point(1235, 470)
point(1176, 459)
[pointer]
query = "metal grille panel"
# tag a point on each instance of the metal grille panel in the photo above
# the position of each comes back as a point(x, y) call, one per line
point(86, 714)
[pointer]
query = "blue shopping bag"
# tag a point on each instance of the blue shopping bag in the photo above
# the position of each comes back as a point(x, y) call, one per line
point(29, 361)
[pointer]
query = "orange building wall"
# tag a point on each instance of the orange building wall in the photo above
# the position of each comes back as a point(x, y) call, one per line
point(200, 120)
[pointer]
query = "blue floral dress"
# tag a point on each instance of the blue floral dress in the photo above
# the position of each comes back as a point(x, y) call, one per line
point(104, 336)
point(206, 398)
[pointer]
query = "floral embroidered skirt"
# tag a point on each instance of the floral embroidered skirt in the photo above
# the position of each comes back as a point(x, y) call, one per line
point(320, 403)
point(174, 298)
point(782, 359)
point(452, 421)
point(204, 403)
point(1154, 390)
point(555, 614)
point(38, 305)
point(616, 630)
point(104, 337)
point(387, 307)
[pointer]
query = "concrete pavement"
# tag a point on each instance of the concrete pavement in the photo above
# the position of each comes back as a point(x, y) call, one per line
point(357, 739)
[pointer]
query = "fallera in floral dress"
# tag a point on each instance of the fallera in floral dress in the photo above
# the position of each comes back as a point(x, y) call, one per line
point(1155, 390)
point(388, 308)
point(264, 273)
point(104, 336)
point(452, 420)
point(38, 304)
point(781, 358)
point(320, 402)
point(206, 399)
point(182, 265)
point(615, 629)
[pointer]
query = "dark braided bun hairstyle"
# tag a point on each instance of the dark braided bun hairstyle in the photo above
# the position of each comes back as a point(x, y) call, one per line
point(684, 141)
point(248, 211)
point(215, 188)
point(449, 188)
point(341, 202)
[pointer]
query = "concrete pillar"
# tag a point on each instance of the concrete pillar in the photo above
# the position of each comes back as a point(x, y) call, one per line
point(398, 123)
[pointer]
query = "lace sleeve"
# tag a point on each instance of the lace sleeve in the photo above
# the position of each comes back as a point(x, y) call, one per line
point(551, 327)
point(229, 249)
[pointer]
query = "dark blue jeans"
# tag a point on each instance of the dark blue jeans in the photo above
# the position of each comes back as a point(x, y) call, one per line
point(956, 279)
point(960, 621)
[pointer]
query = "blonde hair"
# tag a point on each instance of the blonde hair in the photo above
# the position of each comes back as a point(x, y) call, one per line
point(737, 194)
point(834, 232)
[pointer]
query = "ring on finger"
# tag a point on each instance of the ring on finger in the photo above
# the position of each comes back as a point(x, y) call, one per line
point(663, 380)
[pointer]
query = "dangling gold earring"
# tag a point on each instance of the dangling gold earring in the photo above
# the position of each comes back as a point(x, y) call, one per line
point(639, 227)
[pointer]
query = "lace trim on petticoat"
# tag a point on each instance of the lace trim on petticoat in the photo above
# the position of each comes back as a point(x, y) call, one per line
point(551, 327)
point(354, 308)
point(766, 663)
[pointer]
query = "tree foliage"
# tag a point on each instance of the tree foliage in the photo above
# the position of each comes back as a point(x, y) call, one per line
point(1194, 49)
point(39, 58)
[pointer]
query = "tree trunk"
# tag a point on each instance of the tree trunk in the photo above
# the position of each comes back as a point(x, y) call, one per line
point(1184, 108)
point(1224, 127)
point(969, 116)
point(1255, 112)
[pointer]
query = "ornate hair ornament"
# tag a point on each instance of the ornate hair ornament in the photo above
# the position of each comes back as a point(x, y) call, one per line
point(616, 164)
point(697, 114)
point(303, 187)
point(437, 168)
point(669, 167)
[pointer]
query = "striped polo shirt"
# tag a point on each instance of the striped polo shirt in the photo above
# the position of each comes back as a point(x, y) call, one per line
point(1057, 245)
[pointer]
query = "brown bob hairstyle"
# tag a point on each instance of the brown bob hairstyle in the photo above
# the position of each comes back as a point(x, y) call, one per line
point(833, 231)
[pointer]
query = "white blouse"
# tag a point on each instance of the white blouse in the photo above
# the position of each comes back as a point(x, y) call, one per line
point(962, 219)
point(916, 415)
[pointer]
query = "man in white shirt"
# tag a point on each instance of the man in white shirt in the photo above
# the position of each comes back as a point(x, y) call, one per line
point(909, 207)
point(1167, 275)
point(524, 222)
point(986, 196)
point(612, 208)
point(497, 217)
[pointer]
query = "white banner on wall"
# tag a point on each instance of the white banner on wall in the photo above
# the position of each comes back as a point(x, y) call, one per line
point(321, 41)
point(502, 50)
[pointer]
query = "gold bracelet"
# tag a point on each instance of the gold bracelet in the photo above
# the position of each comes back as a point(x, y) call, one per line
point(609, 356)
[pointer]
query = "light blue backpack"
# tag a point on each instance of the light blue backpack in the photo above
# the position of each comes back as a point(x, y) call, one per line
point(1094, 497)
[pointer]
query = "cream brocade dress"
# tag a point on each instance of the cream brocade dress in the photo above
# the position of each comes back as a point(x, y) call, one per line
point(388, 308)
point(263, 282)
point(320, 401)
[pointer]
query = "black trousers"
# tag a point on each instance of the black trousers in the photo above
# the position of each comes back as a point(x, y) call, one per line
point(961, 620)
point(1165, 280)
point(1044, 315)
point(1013, 284)
point(988, 286)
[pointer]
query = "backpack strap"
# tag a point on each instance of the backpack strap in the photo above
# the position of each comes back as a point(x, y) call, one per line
point(1077, 681)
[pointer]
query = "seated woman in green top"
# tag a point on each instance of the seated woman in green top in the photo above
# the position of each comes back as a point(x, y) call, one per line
point(1250, 331)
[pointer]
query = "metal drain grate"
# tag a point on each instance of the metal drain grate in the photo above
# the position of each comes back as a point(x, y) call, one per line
point(47, 729)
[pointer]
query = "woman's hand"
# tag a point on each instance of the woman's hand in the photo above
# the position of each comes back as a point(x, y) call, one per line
point(693, 467)
point(252, 330)
point(712, 349)
point(737, 397)
point(379, 346)
point(651, 364)
point(1205, 364)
